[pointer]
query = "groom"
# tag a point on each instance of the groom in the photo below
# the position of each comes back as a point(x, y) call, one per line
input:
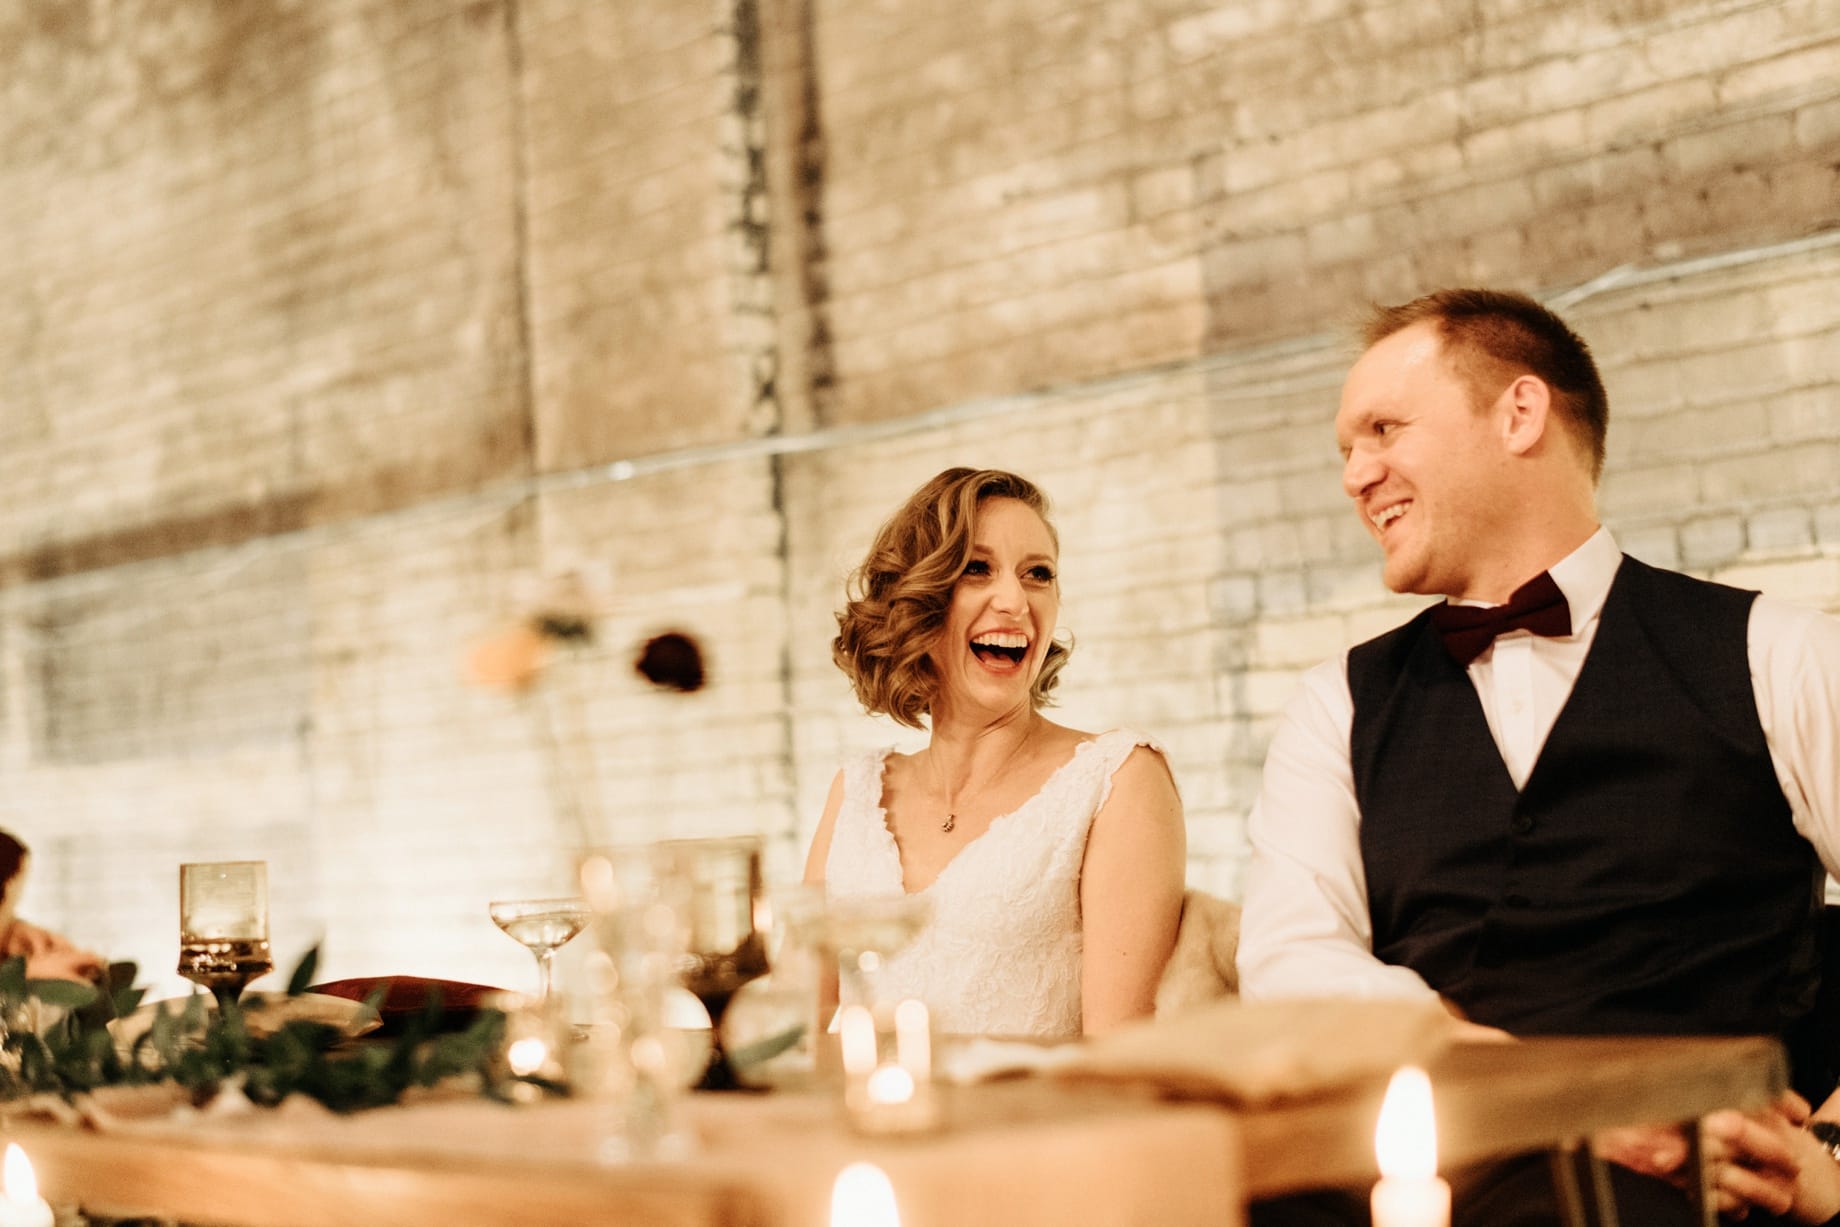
point(1580, 795)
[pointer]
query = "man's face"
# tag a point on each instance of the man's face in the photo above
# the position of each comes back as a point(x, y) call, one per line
point(1423, 465)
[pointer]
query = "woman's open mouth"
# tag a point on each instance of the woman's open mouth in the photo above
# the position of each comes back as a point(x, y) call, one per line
point(1001, 651)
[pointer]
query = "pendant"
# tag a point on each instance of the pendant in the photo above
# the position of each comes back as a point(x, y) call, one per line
point(950, 822)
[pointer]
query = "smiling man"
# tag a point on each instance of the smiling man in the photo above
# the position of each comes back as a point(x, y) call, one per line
point(1579, 795)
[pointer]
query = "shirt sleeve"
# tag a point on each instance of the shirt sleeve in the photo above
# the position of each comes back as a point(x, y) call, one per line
point(1795, 674)
point(1305, 931)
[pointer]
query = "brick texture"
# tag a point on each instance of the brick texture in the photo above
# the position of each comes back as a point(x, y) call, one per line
point(330, 326)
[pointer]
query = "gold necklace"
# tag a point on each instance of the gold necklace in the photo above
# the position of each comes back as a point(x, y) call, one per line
point(951, 820)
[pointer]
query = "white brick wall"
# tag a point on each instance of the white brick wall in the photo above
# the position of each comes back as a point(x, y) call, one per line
point(318, 336)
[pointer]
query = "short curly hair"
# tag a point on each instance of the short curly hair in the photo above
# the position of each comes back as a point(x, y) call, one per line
point(897, 600)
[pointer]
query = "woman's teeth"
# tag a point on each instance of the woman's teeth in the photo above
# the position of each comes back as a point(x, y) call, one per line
point(1000, 646)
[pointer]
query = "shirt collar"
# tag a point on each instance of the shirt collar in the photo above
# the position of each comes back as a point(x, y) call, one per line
point(1585, 575)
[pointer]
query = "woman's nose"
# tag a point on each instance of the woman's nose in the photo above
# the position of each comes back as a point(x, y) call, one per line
point(1007, 595)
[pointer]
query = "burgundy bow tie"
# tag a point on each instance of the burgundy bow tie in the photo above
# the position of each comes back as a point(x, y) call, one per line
point(1536, 606)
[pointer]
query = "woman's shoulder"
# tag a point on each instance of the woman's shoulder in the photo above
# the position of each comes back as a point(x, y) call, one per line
point(1113, 747)
point(864, 770)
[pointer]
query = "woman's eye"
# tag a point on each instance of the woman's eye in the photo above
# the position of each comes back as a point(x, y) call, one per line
point(1041, 575)
point(977, 566)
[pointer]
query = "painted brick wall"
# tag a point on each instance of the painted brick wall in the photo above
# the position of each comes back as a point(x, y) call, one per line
point(331, 326)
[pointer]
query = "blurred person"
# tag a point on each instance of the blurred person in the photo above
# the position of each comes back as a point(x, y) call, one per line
point(1580, 794)
point(1052, 859)
point(48, 956)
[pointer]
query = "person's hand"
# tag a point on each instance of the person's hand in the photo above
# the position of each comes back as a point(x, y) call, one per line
point(1467, 1032)
point(1768, 1161)
point(1653, 1150)
point(50, 957)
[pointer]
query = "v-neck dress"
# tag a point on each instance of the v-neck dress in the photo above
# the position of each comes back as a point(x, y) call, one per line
point(1000, 953)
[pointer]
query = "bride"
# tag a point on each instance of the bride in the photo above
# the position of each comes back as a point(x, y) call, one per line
point(1052, 859)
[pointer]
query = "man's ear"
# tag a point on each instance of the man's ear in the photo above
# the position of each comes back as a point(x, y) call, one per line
point(1526, 413)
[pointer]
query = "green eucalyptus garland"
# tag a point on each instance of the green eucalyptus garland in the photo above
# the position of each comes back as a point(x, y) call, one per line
point(204, 1051)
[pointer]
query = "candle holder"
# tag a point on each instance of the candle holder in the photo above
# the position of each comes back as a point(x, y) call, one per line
point(223, 925)
point(888, 1068)
point(534, 1053)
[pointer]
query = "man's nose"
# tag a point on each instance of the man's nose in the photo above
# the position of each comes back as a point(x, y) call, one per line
point(1360, 471)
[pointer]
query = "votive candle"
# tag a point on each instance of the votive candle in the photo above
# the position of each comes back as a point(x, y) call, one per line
point(20, 1204)
point(1409, 1193)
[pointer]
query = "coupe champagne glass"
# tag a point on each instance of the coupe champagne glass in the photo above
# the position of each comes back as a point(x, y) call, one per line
point(542, 926)
point(223, 925)
point(721, 884)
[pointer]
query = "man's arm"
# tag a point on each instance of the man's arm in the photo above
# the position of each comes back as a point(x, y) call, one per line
point(1305, 931)
point(1795, 674)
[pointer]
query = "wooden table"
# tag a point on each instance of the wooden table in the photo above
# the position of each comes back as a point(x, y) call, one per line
point(1031, 1151)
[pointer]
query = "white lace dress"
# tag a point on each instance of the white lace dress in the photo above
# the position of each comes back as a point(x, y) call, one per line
point(1001, 952)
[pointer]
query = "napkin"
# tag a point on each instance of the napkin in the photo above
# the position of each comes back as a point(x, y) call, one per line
point(1252, 1053)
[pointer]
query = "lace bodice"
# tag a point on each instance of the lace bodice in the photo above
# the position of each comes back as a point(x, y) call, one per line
point(1001, 952)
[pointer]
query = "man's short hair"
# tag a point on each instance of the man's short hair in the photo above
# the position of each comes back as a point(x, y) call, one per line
point(1494, 336)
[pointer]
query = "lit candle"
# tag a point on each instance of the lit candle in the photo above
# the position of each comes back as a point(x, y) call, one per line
point(889, 1084)
point(526, 1056)
point(20, 1205)
point(913, 1039)
point(863, 1197)
point(856, 1033)
point(1409, 1193)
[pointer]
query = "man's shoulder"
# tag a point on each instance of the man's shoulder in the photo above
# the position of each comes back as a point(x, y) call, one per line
point(1392, 645)
point(1678, 584)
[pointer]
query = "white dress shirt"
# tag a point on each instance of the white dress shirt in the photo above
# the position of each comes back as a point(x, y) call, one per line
point(1306, 930)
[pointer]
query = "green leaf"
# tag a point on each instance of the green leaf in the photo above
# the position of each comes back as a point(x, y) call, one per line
point(128, 1000)
point(71, 994)
point(193, 1017)
point(13, 979)
point(764, 1050)
point(303, 973)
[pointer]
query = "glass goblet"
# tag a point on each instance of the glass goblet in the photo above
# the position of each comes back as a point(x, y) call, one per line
point(640, 933)
point(862, 932)
point(541, 926)
point(721, 884)
point(223, 925)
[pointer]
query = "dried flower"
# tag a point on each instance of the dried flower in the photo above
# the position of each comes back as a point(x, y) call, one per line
point(671, 661)
point(556, 609)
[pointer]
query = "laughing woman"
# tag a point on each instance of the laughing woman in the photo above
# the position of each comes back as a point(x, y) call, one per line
point(1052, 859)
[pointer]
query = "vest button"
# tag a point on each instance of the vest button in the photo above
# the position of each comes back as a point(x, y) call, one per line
point(1518, 901)
point(1521, 824)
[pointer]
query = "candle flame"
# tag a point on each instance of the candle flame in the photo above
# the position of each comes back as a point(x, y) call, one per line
point(863, 1197)
point(1405, 1140)
point(21, 1181)
point(526, 1056)
point(890, 1084)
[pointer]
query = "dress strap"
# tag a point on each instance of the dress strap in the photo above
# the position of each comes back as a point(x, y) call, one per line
point(1109, 752)
point(862, 779)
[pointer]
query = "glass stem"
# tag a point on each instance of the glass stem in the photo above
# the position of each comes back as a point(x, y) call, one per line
point(544, 958)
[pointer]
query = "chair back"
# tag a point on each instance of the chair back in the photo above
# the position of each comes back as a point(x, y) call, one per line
point(1201, 967)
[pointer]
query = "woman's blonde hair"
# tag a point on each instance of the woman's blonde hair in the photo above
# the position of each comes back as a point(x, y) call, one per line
point(896, 601)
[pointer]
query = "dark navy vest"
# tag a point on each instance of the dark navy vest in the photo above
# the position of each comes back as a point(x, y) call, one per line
point(1648, 879)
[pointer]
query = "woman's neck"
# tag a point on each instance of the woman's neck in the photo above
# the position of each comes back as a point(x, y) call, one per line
point(961, 753)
